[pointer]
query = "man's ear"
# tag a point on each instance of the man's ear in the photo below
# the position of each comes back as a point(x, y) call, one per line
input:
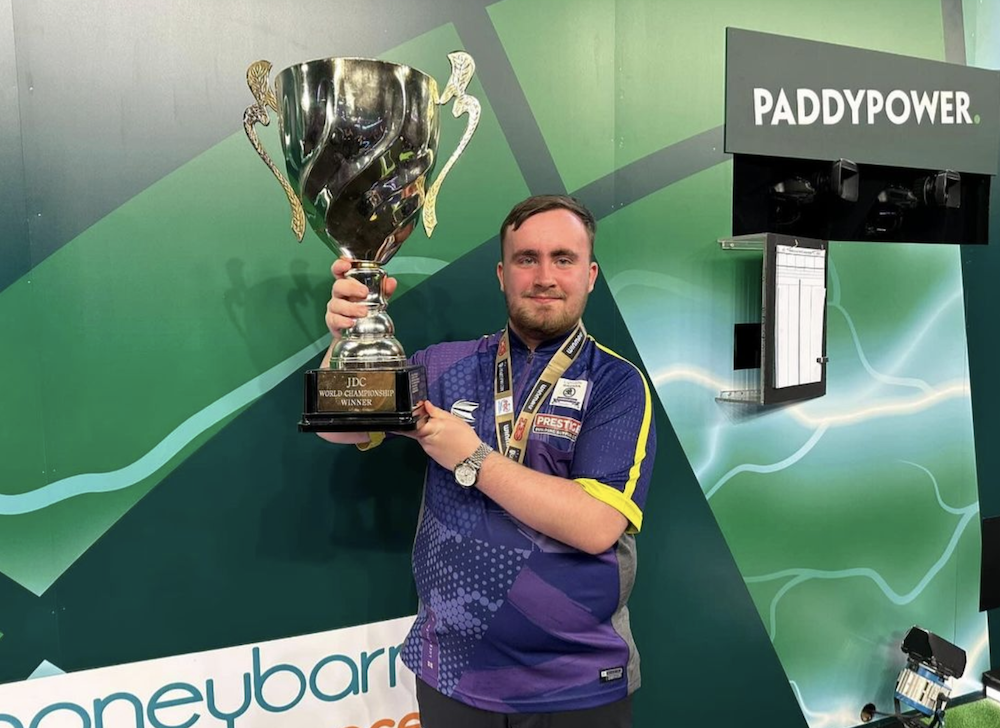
point(500, 275)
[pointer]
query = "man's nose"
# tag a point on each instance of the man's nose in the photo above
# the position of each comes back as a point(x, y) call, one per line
point(544, 273)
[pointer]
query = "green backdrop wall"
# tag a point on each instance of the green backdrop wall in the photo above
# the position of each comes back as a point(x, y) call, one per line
point(155, 318)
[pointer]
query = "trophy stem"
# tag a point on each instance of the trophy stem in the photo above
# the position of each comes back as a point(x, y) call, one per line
point(370, 343)
point(369, 387)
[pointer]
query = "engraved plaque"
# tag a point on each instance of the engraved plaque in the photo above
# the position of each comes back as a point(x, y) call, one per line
point(355, 391)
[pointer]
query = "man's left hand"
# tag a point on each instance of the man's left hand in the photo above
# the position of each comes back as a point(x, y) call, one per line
point(447, 439)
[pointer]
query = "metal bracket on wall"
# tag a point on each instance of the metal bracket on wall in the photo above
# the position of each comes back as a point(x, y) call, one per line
point(741, 396)
point(743, 242)
point(752, 395)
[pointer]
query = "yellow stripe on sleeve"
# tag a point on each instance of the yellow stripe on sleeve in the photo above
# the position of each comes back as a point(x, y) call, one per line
point(616, 499)
point(647, 416)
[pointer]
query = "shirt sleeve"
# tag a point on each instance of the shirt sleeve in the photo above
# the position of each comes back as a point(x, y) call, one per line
point(614, 453)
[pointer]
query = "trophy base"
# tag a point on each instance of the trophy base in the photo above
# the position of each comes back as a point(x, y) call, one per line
point(363, 400)
point(343, 423)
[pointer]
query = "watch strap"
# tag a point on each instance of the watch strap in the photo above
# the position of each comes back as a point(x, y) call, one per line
point(477, 458)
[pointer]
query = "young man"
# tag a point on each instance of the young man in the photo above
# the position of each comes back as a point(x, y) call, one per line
point(541, 444)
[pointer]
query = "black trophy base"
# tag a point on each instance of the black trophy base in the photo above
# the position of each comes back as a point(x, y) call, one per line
point(363, 400)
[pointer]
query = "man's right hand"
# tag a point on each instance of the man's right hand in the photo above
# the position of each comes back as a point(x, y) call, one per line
point(345, 306)
point(347, 297)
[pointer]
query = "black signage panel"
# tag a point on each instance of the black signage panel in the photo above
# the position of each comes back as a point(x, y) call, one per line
point(788, 97)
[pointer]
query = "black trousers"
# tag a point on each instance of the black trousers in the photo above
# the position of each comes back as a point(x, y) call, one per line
point(440, 711)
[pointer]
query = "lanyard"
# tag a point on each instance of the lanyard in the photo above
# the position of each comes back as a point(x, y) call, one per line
point(511, 438)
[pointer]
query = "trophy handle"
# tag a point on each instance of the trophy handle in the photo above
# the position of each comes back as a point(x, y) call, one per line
point(462, 68)
point(257, 80)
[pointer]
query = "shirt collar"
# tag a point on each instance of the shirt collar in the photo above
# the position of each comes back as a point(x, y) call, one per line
point(549, 346)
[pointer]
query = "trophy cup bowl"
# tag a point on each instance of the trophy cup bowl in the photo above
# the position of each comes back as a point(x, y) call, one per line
point(360, 139)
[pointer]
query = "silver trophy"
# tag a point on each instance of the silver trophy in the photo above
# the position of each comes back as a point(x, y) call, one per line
point(360, 141)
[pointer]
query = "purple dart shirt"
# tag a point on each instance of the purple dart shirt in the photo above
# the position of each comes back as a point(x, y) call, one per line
point(511, 620)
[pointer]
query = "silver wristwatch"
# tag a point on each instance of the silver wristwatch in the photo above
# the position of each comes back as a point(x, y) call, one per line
point(467, 471)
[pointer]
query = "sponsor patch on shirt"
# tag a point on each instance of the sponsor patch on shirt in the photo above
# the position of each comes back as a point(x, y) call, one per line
point(466, 410)
point(611, 674)
point(569, 393)
point(505, 406)
point(557, 425)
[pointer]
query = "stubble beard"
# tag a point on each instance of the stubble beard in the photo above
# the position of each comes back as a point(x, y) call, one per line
point(539, 323)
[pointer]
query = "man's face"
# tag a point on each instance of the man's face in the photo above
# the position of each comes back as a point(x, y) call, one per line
point(546, 274)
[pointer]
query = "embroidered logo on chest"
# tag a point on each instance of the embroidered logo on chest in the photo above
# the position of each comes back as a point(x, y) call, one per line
point(465, 410)
point(569, 393)
point(557, 425)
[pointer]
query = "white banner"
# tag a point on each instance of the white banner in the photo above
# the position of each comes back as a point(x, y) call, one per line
point(346, 678)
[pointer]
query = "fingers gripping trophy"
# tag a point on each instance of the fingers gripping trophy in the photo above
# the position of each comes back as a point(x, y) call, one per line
point(360, 142)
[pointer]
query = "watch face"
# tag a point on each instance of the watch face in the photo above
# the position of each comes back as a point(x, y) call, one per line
point(465, 474)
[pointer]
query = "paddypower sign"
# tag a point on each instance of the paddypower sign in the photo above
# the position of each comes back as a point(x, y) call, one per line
point(787, 97)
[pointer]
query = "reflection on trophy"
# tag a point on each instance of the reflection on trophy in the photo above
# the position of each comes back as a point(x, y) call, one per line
point(360, 140)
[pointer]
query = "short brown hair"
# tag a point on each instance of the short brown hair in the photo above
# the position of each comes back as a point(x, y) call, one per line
point(543, 203)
